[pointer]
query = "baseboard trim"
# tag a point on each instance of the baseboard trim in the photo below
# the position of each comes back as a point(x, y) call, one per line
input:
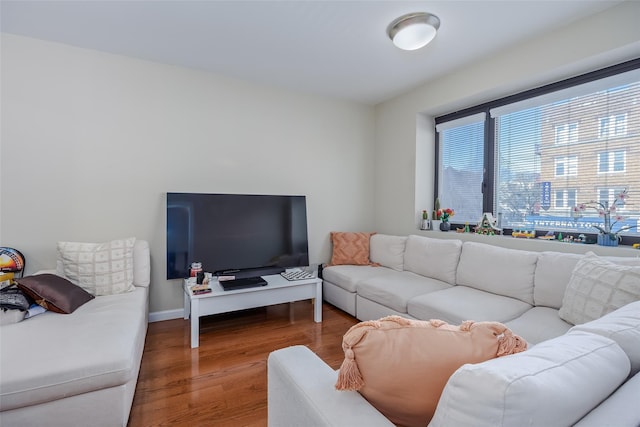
point(159, 316)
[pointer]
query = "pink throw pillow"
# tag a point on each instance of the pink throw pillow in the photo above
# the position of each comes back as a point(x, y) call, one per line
point(401, 366)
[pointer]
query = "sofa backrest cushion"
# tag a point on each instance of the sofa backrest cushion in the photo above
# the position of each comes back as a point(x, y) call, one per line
point(622, 326)
point(401, 366)
point(435, 258)
point(554, 383)
point(501, 271)
point(553, 272)
point(597, 287)
point(141, 264)
point(388, 251)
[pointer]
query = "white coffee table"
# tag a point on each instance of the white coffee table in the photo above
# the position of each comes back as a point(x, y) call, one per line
point(277, 291)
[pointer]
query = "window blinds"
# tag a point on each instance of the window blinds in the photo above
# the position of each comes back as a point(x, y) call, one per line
point(572, 146)
point(461, 166)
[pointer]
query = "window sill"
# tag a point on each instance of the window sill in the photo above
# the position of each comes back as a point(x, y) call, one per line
point(537, 245)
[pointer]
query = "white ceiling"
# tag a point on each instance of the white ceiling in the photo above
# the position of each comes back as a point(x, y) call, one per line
point(336, 48)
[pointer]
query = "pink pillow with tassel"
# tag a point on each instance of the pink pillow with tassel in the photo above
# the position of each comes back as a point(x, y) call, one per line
point(401, 366)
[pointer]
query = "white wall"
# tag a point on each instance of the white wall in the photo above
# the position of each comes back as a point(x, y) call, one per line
point(404, 125)
point(91, 142)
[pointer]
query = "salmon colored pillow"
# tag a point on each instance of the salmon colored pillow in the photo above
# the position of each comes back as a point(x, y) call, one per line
point(401, 366)
point(350, 248)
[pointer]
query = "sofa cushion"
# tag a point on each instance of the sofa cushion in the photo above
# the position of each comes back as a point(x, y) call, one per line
point(621, 409)
point(539, 324)
point(141, 264)
point(401, 365)
point(460, 303)
point(394, 291)
point(301, 394)
point(435, 258)
point(54, 293)
point(597, 287)
point(97, 346)
point(99, 268)
point(387, 251)
point(348, 276)
point(501, 271)
point(622, 326)
point(554, 383)
point(350, 248)
point(553, 272)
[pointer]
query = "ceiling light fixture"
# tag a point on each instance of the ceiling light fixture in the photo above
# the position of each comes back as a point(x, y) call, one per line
point(413, 30)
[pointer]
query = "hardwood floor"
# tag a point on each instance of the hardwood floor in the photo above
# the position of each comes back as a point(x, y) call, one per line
point(224, 381)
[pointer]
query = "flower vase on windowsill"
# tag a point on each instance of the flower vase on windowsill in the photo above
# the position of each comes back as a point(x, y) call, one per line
point(443, 215)
point(606, 235)
point(610, 239)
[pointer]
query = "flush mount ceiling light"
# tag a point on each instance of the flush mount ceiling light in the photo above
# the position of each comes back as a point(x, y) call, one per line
point(413, 30)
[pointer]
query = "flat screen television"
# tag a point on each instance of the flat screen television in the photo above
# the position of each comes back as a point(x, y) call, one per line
point(243, 235)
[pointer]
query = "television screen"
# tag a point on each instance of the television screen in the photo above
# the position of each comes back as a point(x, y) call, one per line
point(235, 234)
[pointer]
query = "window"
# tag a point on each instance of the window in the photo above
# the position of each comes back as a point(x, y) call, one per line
point(565, 198)
point(539, 153)
point(606, 196)
point(612, 126)
point(612, 161)
point(461, 160)
point(566, 166)
point(567, 133)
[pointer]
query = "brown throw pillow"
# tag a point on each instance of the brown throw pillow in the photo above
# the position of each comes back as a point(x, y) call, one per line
point(401, 366)
point(350, 248)
point(54, 293)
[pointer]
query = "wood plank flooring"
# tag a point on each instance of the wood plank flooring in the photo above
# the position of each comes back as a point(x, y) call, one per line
point(224, 381)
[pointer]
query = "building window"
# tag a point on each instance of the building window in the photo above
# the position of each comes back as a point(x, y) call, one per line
point(612, 161)
point(565, 198)
point(606, 196)
point(613, 126)
point(567, 133)
point(566, 166)
point(529, 146)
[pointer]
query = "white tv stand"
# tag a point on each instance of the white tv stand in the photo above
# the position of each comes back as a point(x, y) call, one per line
point(277, 291)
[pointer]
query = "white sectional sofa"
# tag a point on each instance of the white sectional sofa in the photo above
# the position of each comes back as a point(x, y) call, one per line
point(77, 369)
point(568, 374)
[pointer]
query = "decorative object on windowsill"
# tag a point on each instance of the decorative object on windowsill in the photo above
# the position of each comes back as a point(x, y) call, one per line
point(426, 222)
point(523, 234)
point(436, 208)
point(444, 215)
point(487, 225)
point(435, 219)
point(606, 235)
point(464, 229)
point(548, 236)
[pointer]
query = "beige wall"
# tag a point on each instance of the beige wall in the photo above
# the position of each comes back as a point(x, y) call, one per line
point(404, 125)
point(91, 142)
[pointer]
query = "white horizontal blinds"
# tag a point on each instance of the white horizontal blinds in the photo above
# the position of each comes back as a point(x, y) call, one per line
point(461, 166)
point(553, 152)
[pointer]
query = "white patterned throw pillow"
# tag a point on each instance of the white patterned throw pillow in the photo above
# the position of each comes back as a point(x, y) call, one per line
point(99, 268)
point(598, 287)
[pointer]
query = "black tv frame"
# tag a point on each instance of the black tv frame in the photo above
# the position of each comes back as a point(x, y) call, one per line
point(241, 235)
